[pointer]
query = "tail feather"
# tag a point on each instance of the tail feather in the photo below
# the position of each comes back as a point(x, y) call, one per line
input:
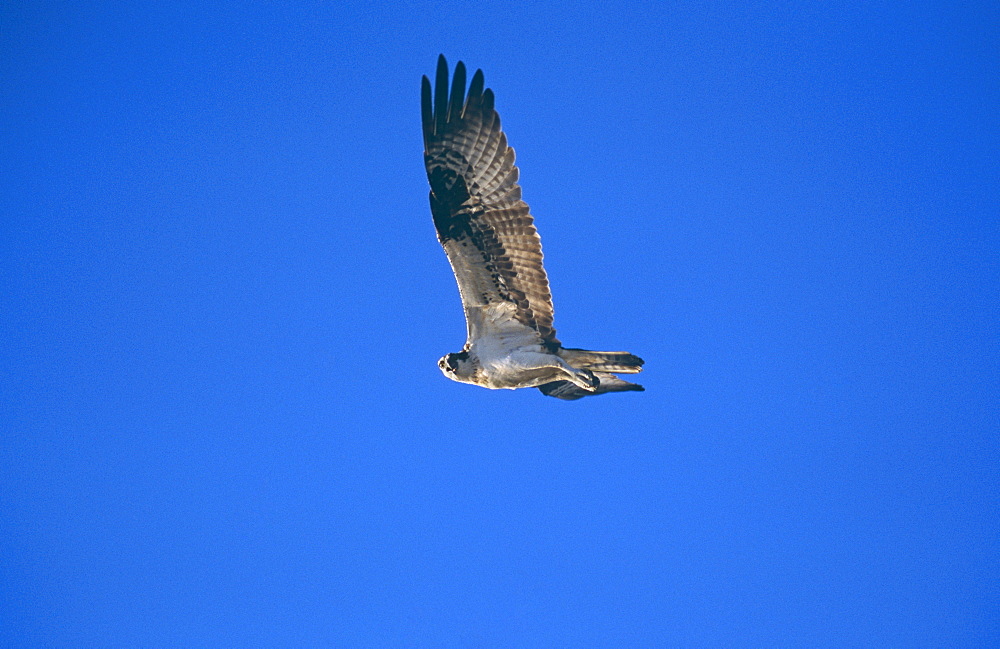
point(583, 359)
point(602, 364)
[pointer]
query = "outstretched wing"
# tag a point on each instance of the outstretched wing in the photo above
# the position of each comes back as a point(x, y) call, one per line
point(481, 221)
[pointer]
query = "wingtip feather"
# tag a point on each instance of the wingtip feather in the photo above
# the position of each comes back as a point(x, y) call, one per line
point(475, 95)
point(488, 101)
point(441, 94)
point(457, 101)
point(426, 110)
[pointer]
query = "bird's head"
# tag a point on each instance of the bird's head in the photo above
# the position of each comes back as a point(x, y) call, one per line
point(456, 366)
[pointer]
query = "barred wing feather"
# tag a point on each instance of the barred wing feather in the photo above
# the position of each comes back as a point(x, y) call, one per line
point(485, 228)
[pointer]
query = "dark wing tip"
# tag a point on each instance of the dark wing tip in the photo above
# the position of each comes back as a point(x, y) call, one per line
point(426, 110)
point(457, 100)
point(439, 106)
point(476, 87)
point(488, 102)
point(441, 95)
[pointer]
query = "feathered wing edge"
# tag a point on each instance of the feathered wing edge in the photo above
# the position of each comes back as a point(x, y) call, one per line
point(482, 223)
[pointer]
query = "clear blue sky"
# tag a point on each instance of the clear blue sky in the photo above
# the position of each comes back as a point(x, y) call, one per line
point(223, 302)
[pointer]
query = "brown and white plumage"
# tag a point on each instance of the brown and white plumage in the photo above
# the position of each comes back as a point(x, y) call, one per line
point(489, 236)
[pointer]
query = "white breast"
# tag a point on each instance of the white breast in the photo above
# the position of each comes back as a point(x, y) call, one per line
point(509, 352)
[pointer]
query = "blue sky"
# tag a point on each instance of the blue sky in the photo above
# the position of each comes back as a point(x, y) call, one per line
point(222, 306)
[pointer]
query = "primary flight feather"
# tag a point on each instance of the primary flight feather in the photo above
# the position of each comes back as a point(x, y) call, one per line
point(489, 236)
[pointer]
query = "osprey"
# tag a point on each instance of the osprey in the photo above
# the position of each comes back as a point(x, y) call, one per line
point(490, 239)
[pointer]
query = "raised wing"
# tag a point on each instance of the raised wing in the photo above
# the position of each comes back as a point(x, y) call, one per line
point(482, 223)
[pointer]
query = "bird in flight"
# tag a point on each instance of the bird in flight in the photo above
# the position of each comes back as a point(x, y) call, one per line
point(490, 239)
